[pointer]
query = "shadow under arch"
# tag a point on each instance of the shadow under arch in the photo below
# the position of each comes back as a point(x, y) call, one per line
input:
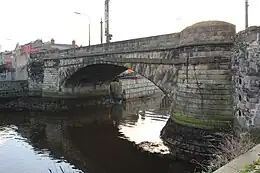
point(101, 72)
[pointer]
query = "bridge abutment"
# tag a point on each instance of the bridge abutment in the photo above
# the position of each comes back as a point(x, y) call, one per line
point(50, 85)
point(203, 100)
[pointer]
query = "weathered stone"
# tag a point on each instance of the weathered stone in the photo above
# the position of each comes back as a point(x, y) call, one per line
point(245, 63)
point(13, 89)
point(209, 77)
point(196, 60)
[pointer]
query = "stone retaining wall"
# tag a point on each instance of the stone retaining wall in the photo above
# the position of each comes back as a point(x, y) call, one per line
point(9, 89)
point(136, 88)
point(85, 90)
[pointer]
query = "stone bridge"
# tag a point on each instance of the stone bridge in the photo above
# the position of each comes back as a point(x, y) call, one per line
point(195, 67)
point(162, 59)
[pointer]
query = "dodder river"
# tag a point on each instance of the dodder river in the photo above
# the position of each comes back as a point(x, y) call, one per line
point(91, 140)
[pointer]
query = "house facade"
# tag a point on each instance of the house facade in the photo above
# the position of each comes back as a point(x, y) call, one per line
point(13, 64)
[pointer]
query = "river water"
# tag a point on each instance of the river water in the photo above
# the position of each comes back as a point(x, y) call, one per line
point(95, 139)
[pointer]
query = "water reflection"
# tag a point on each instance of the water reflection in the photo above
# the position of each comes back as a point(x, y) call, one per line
point(94, 140)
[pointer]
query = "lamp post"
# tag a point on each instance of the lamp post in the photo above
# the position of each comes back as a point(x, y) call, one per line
point(78, 13)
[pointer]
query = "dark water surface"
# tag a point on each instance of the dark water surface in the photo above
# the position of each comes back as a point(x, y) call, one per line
point(90, 140)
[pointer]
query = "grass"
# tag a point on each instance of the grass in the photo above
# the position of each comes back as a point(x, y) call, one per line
point(252, 168)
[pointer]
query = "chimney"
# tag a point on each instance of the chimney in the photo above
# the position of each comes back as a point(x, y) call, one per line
point(73, 43)
point(52, 41)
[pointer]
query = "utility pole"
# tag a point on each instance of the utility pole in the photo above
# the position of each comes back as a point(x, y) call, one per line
point(101, 31)
point(107, 34)
point(246, 14)
point(89, 33)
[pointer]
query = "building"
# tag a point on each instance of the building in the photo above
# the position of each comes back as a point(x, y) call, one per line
point(13, 64)
point(32, 47)
point(52, 45)
point(1, 58)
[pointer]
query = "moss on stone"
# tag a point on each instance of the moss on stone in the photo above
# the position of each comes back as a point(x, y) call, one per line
point(202, 123)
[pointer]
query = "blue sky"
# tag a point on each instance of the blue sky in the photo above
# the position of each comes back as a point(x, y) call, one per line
point(26, 20)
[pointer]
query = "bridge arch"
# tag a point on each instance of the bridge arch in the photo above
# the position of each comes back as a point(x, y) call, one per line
point(101, 71)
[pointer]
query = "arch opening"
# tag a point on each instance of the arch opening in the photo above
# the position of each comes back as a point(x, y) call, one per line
point(98, 74)
point(94, 74)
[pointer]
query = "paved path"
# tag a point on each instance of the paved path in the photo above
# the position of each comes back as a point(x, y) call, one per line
point(241, 161)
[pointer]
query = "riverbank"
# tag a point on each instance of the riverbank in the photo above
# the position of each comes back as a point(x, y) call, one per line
point(53, 104)
point(241, 162)
point(58, 104)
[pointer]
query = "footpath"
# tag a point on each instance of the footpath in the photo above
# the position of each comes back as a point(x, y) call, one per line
point(240, 162)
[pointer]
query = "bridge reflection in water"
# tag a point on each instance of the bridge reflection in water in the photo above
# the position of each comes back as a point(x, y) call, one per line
point(95, 140)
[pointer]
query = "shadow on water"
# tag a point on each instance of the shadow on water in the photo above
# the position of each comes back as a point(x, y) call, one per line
point(94, 140)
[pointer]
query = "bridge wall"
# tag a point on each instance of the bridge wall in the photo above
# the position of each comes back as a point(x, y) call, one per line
point(203, 102)
point(192, 66)
point(158, 42)
point(154, 65)
point(204, 88)
point(87, 90)
point(137, 88)
point(246, 66)
point(134, 88)
point(35, 70)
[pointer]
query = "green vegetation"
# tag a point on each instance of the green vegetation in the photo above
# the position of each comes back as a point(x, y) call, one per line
point(230, 148)
point(252, 168)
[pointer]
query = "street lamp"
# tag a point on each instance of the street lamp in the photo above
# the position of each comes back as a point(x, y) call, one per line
point(78, 13)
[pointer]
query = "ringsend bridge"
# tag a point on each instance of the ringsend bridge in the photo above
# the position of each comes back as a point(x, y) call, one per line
point(194, 66)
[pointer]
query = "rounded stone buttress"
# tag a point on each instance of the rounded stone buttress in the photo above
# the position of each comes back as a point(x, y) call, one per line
point(203, 97)
point(204, 90)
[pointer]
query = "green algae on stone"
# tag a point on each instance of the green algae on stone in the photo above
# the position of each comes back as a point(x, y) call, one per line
point(183, 119)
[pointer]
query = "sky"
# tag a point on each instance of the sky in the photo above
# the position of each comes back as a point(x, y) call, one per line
point(23, 21)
